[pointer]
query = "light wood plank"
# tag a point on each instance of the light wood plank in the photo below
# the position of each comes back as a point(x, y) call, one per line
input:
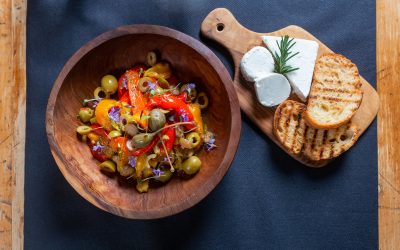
point(12, 125)
point(388, 77)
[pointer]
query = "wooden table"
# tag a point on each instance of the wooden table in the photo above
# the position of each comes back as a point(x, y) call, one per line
point(13, 106)
point(388, 80)
point(12, 125)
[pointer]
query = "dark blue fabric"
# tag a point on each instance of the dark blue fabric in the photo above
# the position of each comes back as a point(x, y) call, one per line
point(266, 200)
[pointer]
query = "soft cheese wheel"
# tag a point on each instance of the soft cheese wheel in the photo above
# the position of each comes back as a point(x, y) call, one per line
point(256, 63)
point(272, 89)
point(299, 79)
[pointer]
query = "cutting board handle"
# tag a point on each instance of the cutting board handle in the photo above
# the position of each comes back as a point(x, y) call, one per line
point(221, 26)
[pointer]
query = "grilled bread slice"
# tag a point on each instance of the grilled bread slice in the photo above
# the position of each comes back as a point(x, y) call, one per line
point(335, 93)
point(299, 138)
point(289, 126)
point(320, 144)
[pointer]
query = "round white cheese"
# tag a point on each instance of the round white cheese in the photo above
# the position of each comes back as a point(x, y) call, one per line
point(272, 89)
point(256, 63)
point(299, 79)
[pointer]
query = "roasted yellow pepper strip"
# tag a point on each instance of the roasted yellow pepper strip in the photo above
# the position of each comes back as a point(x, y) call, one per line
point(141, 164)
point(159, 70)
point(195, 110)
point(101, 113)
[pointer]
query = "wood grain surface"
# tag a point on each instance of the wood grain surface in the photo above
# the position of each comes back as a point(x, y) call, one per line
point(221, 26)
point(388, 80)
point(113, 53)
point(12, 125)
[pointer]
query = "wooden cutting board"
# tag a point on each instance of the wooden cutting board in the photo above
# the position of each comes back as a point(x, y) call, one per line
point(221, 26)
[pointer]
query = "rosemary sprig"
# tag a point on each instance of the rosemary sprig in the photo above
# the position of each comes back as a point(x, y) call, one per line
point(281, 61)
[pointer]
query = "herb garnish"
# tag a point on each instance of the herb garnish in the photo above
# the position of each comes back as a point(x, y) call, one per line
point(284, 56)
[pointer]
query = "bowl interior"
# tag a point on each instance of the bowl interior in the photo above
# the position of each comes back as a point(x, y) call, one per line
point(115, 194)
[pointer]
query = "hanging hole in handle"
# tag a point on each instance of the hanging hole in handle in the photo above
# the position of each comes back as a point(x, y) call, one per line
point(220, 27)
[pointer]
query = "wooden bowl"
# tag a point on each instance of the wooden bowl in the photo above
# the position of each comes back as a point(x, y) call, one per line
point(112, 53)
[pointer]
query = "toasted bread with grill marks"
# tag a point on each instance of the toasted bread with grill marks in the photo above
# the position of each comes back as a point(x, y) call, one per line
point(300, 139)
point(321, 144)
point(335, 93)
point(289, 127)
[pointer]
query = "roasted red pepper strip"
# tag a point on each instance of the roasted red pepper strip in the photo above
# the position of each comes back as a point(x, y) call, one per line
point(122, 86)
point(169, 101)
point(97, 154)
point(182, 96)
point(138, 100)
point(125, 98)
point(123, 81)
point(146, 149)
point(96, 128)
point(169, 144)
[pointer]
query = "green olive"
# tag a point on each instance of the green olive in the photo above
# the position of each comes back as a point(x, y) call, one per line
point(142, 186)
point(151, 58)
point(166, 176)
point(93, 120)
point(193, 94)
point(156, 120)
point(202, 100)
point(126, 118)
point(85, 114)
point(142, 140)
point(109, 83)
point(191, 165)
point(83, 130)
point(144, 84)
point(131, 129)
point(185, 143)
point(126, 171)
point(108, 166)
point(194, 139)
point(114, 133)
point(100, 93)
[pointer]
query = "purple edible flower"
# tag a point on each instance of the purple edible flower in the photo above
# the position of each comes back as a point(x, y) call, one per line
point(124, 85)
point(152, 86)
point(210, 145)
point(98, 147)
point(157, 172)
point(132, 161)
point(114, 113)
point(185, 118)
point(191, 86)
